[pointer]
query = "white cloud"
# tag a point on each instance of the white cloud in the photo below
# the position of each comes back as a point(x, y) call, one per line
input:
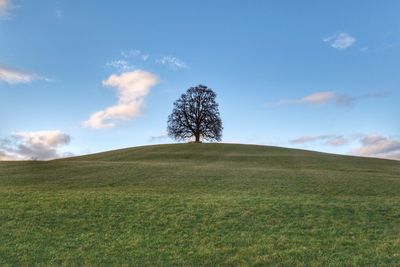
point(375, 145)
point(132, 88)
point(332, 140)
point(41, 145)
point(172, 62)
point(340, 41)
point(12, 76)
point(326, 97)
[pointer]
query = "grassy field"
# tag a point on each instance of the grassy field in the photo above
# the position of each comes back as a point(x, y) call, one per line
point(201, 205)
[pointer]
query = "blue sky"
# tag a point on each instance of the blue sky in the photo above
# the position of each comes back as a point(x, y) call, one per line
point(316, 75)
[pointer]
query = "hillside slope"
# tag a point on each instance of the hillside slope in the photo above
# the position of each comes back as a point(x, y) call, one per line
point(201, 204)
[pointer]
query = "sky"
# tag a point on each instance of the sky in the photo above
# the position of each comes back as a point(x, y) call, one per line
point(80, 77)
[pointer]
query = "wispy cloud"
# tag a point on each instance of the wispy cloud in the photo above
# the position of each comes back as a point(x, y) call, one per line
point(375, 145)
point(337, 141)
point(305, 139)
point(121, 65)
point(340, 41)
point(124, 64)
point(58, 13)
point(132, 88)
point(41, 145)
point(5, 6)
point(12, 76)
point(326, 97)
point(158, 138)
point(138, 58)
point(332, 140)
point(317, 98)
point(172, 62)
point(135, 54)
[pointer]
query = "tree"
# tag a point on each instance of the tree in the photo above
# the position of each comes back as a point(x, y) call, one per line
point(196, 114)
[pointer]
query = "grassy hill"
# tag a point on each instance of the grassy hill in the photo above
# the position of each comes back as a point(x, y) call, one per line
point(201, 204)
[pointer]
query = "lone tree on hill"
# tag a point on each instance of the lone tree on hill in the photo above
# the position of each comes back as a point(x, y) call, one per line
point(196, 114)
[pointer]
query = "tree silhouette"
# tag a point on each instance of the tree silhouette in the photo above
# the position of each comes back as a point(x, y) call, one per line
point(196, 114)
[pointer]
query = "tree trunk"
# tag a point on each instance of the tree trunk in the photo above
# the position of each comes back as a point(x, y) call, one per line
point(197, 135)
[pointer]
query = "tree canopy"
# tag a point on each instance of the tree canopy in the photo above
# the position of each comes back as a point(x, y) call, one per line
point(196, 114)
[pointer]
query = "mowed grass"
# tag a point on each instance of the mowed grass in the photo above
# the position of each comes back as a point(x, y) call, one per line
point(201, 205)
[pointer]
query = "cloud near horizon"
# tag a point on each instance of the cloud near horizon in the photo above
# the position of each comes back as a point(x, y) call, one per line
point(158, 138)
point(40, 145)
point(340, 41)
point(132, 88)
point(332, 140)
point(12, 76)
point(375, 145)
point(326, 97)
point(369, 145)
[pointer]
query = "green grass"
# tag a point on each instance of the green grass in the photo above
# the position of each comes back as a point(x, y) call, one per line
point(201, 205)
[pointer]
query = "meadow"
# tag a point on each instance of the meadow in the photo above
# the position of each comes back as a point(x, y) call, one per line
point(201, 205)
